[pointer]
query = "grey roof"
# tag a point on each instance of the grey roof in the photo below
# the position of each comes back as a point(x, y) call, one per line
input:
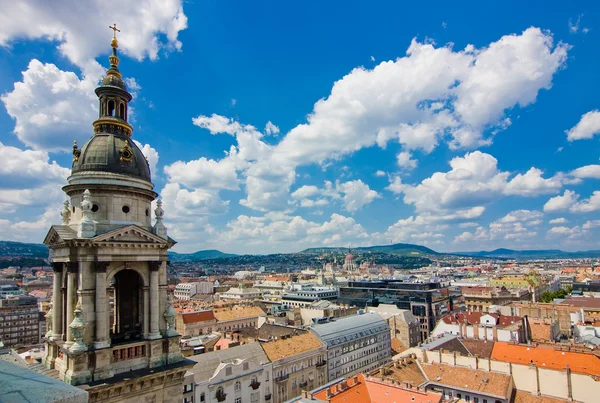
point(65, 232)
point(438, 341)
point(350, 328)
point(19, 384)
point(207, 363)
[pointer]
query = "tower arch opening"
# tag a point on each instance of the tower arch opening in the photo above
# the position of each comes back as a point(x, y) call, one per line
point(111, 108)
point(127, 313)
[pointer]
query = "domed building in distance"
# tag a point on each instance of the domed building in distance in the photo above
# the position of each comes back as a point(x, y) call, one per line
point(349, 263)
point(108, 250)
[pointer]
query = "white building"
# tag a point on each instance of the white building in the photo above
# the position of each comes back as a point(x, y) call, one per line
point(355, 344)
point(305, 294)
point(185, 291)
point(237, 374)
point(239, 294)
point(205, 287)
point(481, 326)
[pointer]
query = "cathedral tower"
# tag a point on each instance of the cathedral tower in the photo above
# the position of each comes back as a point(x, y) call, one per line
point(110, 312)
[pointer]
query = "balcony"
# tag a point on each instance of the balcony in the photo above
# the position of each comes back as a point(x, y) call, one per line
point(255, 384)
point(303, 384)
point(221, 396)
point(267, 397)
point(321, 363)
point(282, 378)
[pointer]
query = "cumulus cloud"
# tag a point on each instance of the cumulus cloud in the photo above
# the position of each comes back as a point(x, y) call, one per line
point(587, 127)
point(52, 107)
point(380, 173)
point(473, 180)
point(417, 100)
point(556, 221)
point(352, 194)
point(587, 205)
point(559, 203)
point(405, 161)
point(270, 128)
point(151, 155)
point(514, 226)
point(147, 26)
point(587, 172)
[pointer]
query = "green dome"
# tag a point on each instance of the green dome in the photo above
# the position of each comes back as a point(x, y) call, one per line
point(107, 152)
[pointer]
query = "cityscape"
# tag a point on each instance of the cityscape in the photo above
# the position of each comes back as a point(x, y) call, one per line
point(421, 224)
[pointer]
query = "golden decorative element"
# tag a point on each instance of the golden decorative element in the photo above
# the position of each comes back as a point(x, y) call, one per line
point(113, 59)
point(76, 151)
point(126, 152)
point(127, 128)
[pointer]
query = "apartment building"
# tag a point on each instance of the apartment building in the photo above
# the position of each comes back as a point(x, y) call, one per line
point(299, 363)
point(19, 320)
point(237, 374)
point(355, 344)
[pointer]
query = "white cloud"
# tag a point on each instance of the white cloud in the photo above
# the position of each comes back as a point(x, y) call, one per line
point(468, 225)
point(204, 173)
point(52, 107)
point(521, 216)
point(473, 180)
point(281, 232)
point(19, 168)
point(380, 173)
point(356, 194)
point(588, 205)
point(586, 128)
point(591, 224)
point(588, 171)
point(81, 28)
point(182, 203)
point(556, 221)
point(562, 231)
point(417, 100)
point(564, 202)
point(305, 191)
point(405, 161)
point(217, 124)
point(270, 128)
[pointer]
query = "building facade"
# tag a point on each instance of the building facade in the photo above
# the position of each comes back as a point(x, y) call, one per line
point(428, 302)
point(19, 320)
point(185, 291)
point(107, 249)
point(238, 374)
point(299, 363)
point(355, 344)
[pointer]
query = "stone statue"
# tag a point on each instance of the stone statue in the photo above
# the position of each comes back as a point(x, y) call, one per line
point(49, 322)
point(65, 213)
point(87, 226)
point(170, 318)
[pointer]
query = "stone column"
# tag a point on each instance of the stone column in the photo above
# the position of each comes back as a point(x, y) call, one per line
point(154, 301)
point(146, 300)
point(57, 308)
point(72, 268)
point(102, 335)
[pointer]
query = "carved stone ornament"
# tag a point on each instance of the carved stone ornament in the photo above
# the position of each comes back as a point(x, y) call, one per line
point(159, 228)
point(170, 318)
point(77, 328)
point(65, 213)
point(87, 226)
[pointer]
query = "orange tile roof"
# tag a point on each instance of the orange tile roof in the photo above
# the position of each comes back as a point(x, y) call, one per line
point(491, 383)
point(526, 397)
point(195, 317)
point(583, 363)
point(291, 346)
point(237, 312)
point(370, 390)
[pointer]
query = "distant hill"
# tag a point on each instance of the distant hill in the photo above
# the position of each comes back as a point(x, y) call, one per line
point(402, 249)
point(199, 255)
point(532, 254)
point(19, 249)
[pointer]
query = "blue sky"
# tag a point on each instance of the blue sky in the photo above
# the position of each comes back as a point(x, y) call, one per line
point(274, 126)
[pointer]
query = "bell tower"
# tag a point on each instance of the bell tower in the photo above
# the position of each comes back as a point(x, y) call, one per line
point(110, 311)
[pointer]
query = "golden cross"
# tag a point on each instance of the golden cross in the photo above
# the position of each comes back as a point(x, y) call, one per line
point(115, 30)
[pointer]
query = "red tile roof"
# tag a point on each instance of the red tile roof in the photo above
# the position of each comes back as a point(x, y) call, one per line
point(582, 302)
point(474, 318)
point(195, 317)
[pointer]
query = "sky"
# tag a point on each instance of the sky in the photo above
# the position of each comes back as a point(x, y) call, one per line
point(274, 126)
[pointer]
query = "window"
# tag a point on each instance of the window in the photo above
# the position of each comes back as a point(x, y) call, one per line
point(111, 108)
point(228, 371)
point(238, 386)
point(187, 388)
point(125, 209)
point(188, 400)
point(202, 397)
point(238, 400)
point(255, 397)
point(467, 398)
point(475, 400)
point(245, 366)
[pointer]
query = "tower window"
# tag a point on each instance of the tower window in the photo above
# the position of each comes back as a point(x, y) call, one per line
point(95, 208)
point(125, 209)
point(147, 212)
point(111, 108)
point(122, 111)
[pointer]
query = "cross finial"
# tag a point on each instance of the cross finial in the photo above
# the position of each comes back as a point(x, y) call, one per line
point(115, 29)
